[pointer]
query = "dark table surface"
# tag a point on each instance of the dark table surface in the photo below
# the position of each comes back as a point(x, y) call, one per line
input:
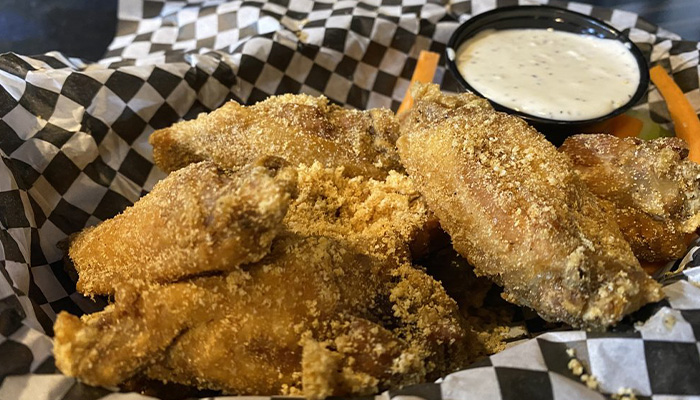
point(84, 28)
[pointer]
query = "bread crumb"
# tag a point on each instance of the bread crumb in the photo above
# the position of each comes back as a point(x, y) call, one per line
point(590, 381)
point(575, 367)
point(624, 394)
point(669, 321)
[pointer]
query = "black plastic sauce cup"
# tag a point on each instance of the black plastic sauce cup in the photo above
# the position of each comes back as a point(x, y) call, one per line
point(546, 17)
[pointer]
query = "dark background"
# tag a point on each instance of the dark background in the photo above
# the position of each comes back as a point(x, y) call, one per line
point(84, 28)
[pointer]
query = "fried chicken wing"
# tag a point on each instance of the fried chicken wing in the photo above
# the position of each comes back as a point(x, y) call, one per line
point(312, 317)
point(649, 186)
point(516, 210)
point(298, 128)
point(198, 219)
point(387, 217)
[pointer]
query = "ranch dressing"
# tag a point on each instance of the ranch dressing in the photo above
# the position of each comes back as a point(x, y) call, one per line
point(550, 74)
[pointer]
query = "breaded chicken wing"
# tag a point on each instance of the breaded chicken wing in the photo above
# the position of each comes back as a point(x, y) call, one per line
point(516, 210)
point(298, 128)
point(196, 220)
point(649, 186)
point(312, 317)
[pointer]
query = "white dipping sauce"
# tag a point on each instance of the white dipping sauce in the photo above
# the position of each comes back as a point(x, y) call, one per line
point(550, 74)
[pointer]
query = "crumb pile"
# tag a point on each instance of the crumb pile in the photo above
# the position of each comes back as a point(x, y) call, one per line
point(387, 217)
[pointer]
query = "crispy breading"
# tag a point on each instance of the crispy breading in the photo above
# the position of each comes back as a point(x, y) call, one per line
point(651, 188)
point(516, 210)
point(386, 217)
point(275, 327)
point(299, 128)
point(196, 220)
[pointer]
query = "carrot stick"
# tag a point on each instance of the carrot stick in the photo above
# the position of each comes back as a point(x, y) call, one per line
point(424, 73)
point(685, 120)
point(625, 125)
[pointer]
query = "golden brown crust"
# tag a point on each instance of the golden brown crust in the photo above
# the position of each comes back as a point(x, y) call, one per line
point(107, 347)
point(649, 186)
point(515, 209)
point(198, 219)
point(387, 218)
point(298, 128)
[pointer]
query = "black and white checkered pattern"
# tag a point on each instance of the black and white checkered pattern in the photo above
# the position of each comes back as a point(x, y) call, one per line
point(74, 149)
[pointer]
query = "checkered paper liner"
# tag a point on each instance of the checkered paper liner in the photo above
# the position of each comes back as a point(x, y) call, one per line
point(74, 147)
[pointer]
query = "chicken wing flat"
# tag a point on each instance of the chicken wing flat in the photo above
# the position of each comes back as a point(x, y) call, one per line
point(313, 317)
point(198, 219)
point(516, 210)
point(649, 186)
point(386, 217)
point(298, 128)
